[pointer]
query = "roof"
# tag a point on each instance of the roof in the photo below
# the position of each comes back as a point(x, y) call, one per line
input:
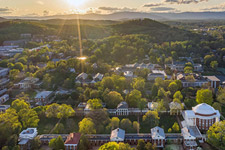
point(82, 75)
point(189, 113)
point(73, 138)
point(122, 105)
point(212, 78)
point(4, 107)
point(117, 134)
point(157, 133)
point(187, 134)
point(43, 94)
point(23, 141)
point(204, 109)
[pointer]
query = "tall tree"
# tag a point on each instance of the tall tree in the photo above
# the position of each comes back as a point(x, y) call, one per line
point(141, 144)
point(204, 96)
point(86, 126)
point(133, 98)
point(112, 99)
point(151, 119)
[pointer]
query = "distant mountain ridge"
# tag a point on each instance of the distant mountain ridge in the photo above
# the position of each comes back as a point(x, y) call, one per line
point(136, 15)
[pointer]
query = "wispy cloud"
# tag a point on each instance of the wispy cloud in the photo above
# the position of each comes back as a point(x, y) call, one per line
point(40, 2)
point(163, 9)
point(185, 1)
point(153, 4)
point(116, 9)
point(5, 10)
point(220, 7)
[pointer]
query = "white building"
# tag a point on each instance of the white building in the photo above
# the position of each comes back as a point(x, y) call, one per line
point(122, 109)
point(29, 133)
point(158, 137)
point(4, 98)
point(117, 135)
point(203, 116)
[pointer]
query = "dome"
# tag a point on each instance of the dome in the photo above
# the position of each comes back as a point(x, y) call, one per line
point(204, 109)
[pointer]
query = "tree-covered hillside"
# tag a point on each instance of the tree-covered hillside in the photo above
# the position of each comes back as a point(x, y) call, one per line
point(11, 30)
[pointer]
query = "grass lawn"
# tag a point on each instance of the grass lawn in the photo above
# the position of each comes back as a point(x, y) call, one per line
point(166, 121)
point(174, 147)
point(66, 125)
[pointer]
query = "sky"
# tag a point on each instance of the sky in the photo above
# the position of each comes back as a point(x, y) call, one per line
point(60, 7)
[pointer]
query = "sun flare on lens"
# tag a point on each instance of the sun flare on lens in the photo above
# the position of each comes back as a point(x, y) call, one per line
point(76, 3)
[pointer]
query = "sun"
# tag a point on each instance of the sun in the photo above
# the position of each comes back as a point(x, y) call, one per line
point(76, 3)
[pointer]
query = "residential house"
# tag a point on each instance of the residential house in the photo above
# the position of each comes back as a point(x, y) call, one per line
point(158, 137)
point(214, 82)
point(192, 80)
point(156, 74)
point(83, 78)
point(4, 98)
point(128, 74)
point(72, 141)
point(3, 108)
point(117, 135)
point(43, 97)
point(4, 72)
point(28, 83)
point(3, 82)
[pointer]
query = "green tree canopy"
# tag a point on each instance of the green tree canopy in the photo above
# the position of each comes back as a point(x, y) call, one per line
point(133, 98)
point(112, 99)
point(216, 135)
point(95, 103)
point(204, 96)
point(86, 126)
point(151, 119)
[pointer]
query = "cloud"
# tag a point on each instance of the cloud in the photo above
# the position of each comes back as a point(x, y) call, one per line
point(153, 5)
point(116, 9)
point(45, 13)
point(5, 10)
point(163, 9)
point(40, 2)
point(185, 1)
point(220, 7)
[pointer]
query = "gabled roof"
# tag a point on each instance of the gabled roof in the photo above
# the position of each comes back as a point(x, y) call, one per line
point(73, 138)
point(158, 133)
point(117, 135)
point(122, 105)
